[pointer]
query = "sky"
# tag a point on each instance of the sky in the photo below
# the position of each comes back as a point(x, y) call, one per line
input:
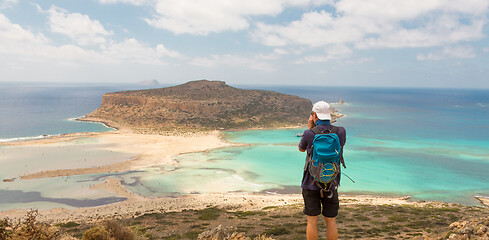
point(374, 43)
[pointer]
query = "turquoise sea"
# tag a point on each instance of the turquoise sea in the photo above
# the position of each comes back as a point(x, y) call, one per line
point(431, 144)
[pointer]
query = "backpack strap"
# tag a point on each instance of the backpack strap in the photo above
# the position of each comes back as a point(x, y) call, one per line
point(334, 130)
point(316, 130)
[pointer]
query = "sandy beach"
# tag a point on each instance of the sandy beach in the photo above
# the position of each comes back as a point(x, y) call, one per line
point(147, 150)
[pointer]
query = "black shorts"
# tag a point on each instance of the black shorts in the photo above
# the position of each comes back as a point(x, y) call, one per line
point(313, 202)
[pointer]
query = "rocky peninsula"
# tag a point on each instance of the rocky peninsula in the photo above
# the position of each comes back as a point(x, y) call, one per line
point(200, 106)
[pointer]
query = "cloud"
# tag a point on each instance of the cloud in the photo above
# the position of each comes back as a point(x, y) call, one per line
point(131, 50)
point(381, 24)
point(79, 27)
point(204, 17)
point(359, 61)
point(314, 29)
point(7, 3)
point(332, 53)
point(25, 45)
point(255, 62)
point(485, 49)
point(16, 40)
point(449, 52)
point(133, 2)
point(212, 16)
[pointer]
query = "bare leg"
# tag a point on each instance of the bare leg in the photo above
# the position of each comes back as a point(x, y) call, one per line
point(332, 230)
point(312, 228)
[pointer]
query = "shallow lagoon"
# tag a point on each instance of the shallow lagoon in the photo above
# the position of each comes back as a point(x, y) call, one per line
point(72, 191)
point(429, 144)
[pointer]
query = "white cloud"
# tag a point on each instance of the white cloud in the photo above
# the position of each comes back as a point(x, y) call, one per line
point(382, 24)
point(359, 61)
point(449, 52)
point(24, 45)
point(133, 2)
point(204, 17)
point(7, 3)
point(313, 29)
point(256, 62)
point(16, 40)
point(77, 26)
point(131, 50)
point(280, 51)
point(332, 53)
point(485, 49)
point(442, 32)
point(201, 17)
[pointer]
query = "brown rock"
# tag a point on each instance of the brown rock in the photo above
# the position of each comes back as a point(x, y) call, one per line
point(213, 234)
point(455, 237)
point(8, 179)
point(480, 229)
point(466, 230)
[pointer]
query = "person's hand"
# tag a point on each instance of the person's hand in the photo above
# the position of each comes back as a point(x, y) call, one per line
point(310, 122)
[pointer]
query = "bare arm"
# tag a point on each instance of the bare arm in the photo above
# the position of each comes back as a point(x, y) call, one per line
point(310, 121)
point(311, 124)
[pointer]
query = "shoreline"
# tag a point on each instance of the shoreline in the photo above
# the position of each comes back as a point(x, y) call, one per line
point(146, 149)
point(23, 140)
point(150, 145)
point(136, 205)
point(483, 200)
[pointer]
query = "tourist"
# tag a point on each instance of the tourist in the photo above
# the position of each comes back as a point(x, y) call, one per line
point(311, 193)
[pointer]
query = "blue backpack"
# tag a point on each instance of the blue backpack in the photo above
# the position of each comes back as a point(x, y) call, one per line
point(323, 162)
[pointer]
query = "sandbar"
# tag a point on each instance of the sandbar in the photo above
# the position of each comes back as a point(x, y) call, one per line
point(147, 150)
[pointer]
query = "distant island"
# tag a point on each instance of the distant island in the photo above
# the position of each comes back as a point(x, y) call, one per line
point(152, 82)
point(201, 106)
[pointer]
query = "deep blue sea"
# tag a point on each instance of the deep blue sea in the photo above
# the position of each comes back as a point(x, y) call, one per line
point(431, 144)
point(31, 110)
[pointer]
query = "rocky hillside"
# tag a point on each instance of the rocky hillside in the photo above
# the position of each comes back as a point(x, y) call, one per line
point(200, 106)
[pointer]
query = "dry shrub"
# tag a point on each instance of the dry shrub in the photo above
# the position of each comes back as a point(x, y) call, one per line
point(109, 230)
point(68, 237)
point(27, 228)
point(97, 233)
point(263, 237)
point(219, 233)
point(5, 228)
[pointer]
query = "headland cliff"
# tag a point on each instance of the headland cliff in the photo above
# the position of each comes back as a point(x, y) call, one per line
point(201, 106)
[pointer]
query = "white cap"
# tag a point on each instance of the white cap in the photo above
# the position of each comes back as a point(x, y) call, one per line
point(321, 109)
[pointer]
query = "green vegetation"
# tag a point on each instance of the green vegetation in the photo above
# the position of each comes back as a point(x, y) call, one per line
point(68, 225)
point(354, 222)
point(109, 230)
point(277, 231)
point(209, 213)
